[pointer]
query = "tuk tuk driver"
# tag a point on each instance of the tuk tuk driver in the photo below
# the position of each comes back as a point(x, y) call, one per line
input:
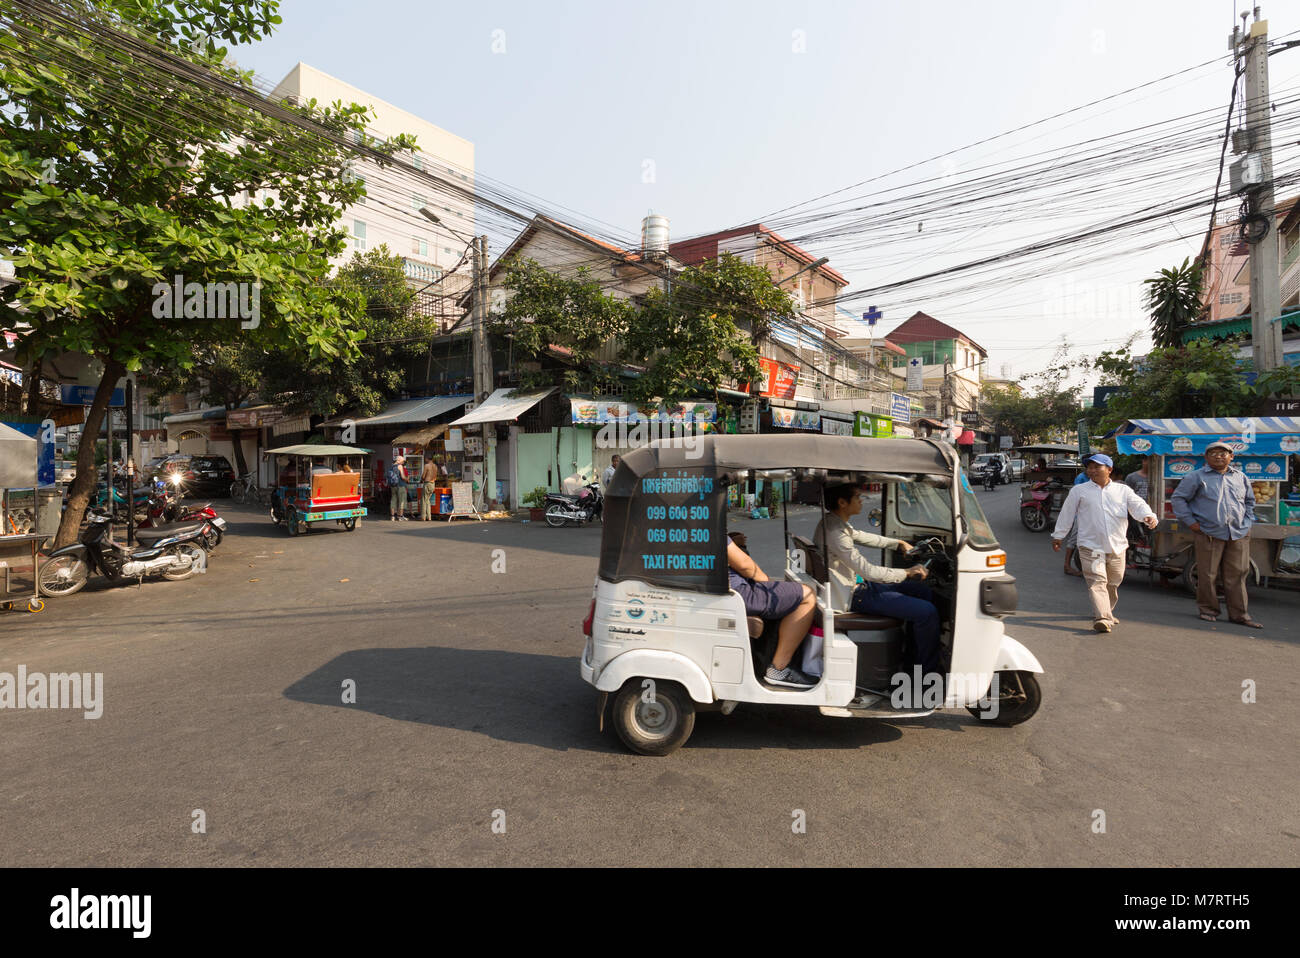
point(791, 602)
point(884, 591)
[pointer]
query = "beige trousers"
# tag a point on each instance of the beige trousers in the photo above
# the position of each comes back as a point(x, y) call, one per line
point(1103, 582)
point(1220, 559)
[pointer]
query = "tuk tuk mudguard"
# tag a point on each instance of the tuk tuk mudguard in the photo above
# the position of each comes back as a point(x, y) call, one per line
point(655, 664)
point(1014, 657)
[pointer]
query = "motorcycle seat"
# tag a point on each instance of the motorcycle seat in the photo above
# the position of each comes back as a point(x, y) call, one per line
point(167, 531)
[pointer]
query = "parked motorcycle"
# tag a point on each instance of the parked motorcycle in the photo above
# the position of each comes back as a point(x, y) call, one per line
point(174, 552)
point(580, 509)
point(164, 508)
point(1036, 510)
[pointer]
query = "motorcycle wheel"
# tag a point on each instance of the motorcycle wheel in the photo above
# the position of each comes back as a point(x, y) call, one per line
point(196, 556)
point(555, 516)
point(65, 575)
point(1035, 520)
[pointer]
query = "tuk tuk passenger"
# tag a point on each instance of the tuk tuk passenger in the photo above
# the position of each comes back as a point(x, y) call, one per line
point(791, 602)
point(885, 591)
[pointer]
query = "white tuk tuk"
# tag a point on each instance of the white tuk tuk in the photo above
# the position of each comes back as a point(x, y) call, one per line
point(666, 636)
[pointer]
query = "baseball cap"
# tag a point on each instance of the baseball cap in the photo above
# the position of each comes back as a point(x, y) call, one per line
point(1218, 445)
point(1101, 459)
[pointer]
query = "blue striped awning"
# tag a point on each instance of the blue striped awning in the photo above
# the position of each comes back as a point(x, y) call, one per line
point(1260, 435)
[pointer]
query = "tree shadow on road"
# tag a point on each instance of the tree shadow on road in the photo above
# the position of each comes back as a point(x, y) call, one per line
point(540, 700)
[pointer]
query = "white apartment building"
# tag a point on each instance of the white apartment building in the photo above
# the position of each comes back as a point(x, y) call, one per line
point(389, 213)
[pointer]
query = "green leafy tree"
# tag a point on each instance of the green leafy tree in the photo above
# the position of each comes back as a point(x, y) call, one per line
point(1038, 416)
point(377, 304)
point(1199, 379)
point(1173, 297)
point(547, 308)
point(118, 175)
point(704, 332)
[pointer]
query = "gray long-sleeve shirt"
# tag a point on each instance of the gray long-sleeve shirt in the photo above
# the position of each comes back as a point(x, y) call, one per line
point(1223, 503)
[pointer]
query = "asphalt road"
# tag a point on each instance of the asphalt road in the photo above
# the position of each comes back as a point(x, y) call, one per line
point(224, 693)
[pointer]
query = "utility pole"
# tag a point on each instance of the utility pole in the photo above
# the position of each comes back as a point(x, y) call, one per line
point(482, 360)
point(1265, 292)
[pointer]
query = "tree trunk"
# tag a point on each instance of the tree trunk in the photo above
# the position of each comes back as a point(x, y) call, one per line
point(237, 440)
point(34, 392)
point(83, 485)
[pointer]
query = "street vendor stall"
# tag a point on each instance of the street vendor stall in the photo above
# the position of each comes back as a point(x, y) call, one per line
point(21, 532)
point(437, 445)
point(1261, 449)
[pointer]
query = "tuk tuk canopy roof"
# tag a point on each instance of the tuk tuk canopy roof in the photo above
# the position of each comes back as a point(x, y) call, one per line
point(1263, 435)
point(309, 449)
point(834, 453)
point(1049, 447)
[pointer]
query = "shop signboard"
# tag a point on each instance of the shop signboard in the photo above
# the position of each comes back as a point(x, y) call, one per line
point(594, 412)
point(915, 375)
point(795, 418)
point(1261, 444)
point(455, 441)
point(900, 408)
point(872, 426)
point(253, 418)
point(1256, 468)
point(778, 379)
point(1004, 442)
point(836, 427)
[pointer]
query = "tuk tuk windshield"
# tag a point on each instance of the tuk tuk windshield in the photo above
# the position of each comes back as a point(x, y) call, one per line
point(925, 504)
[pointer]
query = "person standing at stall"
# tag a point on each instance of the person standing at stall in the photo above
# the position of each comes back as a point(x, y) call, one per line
point(428, 482)
point(397, 489)
point(1217, 503)
point(1101, 509)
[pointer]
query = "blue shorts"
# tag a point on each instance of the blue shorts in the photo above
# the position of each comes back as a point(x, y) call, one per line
point(768, 600)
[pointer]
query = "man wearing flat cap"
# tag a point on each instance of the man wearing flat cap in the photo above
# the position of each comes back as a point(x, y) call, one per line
point(1102, 508)
point(1217, 503)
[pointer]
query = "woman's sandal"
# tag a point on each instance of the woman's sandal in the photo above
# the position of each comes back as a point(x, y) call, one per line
point(1209, 618)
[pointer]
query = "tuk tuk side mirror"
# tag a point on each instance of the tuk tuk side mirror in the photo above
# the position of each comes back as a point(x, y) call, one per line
point(874, 517)
point(963, 529)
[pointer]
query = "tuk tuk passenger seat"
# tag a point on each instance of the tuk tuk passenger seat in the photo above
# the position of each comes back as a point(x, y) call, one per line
point(844, 621)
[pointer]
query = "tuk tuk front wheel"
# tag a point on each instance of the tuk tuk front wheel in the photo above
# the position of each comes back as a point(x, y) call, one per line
point(1019, 696)
point(653, 721)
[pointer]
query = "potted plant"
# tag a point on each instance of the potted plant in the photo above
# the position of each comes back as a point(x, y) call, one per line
point(535, 501)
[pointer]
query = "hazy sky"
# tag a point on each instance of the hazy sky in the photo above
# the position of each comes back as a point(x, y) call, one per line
point(746, 108)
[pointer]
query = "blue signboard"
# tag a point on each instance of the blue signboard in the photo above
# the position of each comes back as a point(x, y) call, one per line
point(85, 395)
point(900, 408)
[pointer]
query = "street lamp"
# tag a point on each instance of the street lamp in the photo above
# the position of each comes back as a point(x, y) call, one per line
point(813, 265)
point(432, 217)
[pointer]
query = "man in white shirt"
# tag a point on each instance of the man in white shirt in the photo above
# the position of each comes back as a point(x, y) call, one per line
point(1102, 508)
point(608, 477)
point(885, 591)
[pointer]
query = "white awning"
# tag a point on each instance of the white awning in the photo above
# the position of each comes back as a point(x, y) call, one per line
point(195, 415)
point(406, 410)
point(501, 407)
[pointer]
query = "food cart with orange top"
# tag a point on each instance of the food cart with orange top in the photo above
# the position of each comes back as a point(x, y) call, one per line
point(317, 483)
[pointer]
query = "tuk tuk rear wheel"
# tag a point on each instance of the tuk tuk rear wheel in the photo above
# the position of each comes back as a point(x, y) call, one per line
point(348, 524)
point(658, 727)
point(1019, 697)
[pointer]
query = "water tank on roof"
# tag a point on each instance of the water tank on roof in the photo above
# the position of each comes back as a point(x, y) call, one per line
point(654, 235)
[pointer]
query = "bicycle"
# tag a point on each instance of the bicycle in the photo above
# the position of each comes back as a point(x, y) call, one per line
point(245, 489)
